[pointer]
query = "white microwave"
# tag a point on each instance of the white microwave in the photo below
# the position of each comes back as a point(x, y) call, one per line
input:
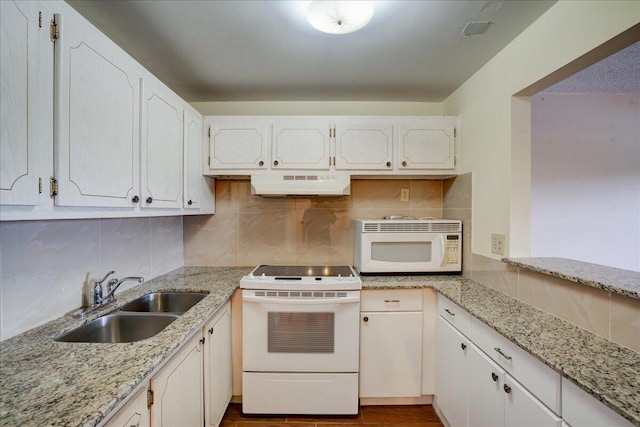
point(408, 246)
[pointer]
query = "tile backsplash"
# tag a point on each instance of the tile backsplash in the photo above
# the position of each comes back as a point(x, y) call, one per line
point(46, 267)
point(248, 230)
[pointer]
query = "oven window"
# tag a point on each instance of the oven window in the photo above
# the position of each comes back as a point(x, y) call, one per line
point(401, 251)
point(300, 332)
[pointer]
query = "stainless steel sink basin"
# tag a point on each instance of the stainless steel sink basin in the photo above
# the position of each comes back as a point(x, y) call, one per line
point(165, 302)
point(120, 327)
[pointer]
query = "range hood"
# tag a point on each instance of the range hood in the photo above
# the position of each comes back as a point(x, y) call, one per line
point(301, 184)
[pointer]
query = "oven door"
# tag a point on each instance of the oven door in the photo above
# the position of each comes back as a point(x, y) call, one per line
point(296, 331)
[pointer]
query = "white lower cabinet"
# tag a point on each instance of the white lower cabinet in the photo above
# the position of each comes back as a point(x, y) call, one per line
point(178, 389)
point(134, 414)
point(579, 409)
point(391, 343)
point(476, 390)
point(217, 366)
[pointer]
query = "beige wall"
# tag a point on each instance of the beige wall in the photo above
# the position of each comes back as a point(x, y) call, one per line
point(456, 204)
point(250, 230)
point(501, 182)
point(319, 108)
point(612, 316)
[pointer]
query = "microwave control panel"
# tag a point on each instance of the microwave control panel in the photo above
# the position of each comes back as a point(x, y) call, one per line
point(452, 249)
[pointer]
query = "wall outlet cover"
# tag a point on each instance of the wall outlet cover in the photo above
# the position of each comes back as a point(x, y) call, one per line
point(497, 244)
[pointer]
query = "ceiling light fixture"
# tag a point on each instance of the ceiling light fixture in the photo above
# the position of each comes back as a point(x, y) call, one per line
point(339, 17)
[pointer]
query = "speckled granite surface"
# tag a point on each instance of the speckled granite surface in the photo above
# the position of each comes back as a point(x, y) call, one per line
point(43, 382)
point(616, 280)
point(605, 370)
point(49, 383)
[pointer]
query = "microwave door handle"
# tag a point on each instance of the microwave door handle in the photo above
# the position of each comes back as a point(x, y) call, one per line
point(442, 251)
point(296, 301)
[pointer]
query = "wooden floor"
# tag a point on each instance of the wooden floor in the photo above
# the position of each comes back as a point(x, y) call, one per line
point(371, 416)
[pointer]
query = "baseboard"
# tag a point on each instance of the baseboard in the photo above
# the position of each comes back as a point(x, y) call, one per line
point(236, 399)
point(421, 400)
point(443, 419)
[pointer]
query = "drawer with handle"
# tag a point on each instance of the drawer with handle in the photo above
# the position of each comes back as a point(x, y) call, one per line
point(537, 377)
point(391, 300)
point(455, 315)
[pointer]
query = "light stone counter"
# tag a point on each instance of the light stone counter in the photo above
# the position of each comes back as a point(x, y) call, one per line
point(615, 280)
point(605, 370)
point(44, 382)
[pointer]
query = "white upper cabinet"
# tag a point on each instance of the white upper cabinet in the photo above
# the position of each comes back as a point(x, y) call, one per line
point(302, 144)
point(161, 146)
point(363, 144)
point(26, 76)
point(427, 143)
point(97, 140)
point(192, 159)
point(237, 143)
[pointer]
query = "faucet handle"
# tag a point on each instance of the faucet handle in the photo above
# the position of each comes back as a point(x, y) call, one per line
point(105, 277)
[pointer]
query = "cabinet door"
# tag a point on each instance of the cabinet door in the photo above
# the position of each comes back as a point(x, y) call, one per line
point(522, 409)
point(193, 179)
point(486, 397)
point(364, 145)
point(160, 146)
point(178, 389)
point(427, 143)
point(452, 384)
point(390, 354)
point(238, 143)
point(134, 414)
point(98, 101)
point(217, 366)
point(301, 144)
point(26, 76)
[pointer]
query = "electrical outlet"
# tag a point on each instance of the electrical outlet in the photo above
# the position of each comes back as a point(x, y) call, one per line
point(497, 244)
point(404, 195)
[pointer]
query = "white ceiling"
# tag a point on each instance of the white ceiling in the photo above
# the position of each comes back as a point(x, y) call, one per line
point(265, 50)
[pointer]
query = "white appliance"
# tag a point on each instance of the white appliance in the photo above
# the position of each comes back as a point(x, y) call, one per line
point(300, 338)
point(301, 184)
point(407, 246)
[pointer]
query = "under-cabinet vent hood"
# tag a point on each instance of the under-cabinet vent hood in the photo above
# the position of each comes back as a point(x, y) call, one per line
point(301, 184)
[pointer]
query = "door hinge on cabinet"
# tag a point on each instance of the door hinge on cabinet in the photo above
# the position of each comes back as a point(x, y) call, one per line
point(455, 132)
point(53, 187)
point(39, 185)
point(209, 132)
point(149, 398)
point(209, 161)
point(53, 30)
point(39, 19)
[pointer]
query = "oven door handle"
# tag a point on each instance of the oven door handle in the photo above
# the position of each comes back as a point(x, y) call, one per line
point(442, 251)
point(292, 301)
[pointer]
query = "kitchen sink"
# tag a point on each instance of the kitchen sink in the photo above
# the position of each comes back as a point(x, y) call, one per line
point(164, 302)
point(120, 327)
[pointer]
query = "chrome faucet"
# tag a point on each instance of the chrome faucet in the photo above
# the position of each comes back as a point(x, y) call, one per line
point(113, 284)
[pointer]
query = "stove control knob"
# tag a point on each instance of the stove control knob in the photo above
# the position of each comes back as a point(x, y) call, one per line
point(263, 277)
point(251, 276)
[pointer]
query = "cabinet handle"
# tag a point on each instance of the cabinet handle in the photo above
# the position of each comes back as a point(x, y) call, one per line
point(392, 300)
point(507, 389)
point(275, 163)
point(501, 353)
point(190, 202)
point(388, 164)
point(404, 163)
point(202, 340)
point(135, 199)
point(149, 200)
point(211, 330)
point(260, 163)
point(494, 377)
point(463, 346)
point(365, 319)
point(449, 312)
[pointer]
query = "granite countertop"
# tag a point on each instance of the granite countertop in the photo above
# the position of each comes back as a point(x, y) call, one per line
point(615, 280)
point(44, 382)
point(606, 370)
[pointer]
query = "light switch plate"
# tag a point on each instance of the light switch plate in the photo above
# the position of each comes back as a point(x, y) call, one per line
point(404, 195)
point(497, 244)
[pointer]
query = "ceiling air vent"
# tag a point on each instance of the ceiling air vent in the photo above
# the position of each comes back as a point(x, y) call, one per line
point(476, 28)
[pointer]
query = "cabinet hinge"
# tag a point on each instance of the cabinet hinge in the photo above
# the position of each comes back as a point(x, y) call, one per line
point(39, 185)
point(209, 161)
point(53, 187)
point(455, 132)
point(209, 132)
point(53, 30)
point(149, 398)
point(39, 19)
